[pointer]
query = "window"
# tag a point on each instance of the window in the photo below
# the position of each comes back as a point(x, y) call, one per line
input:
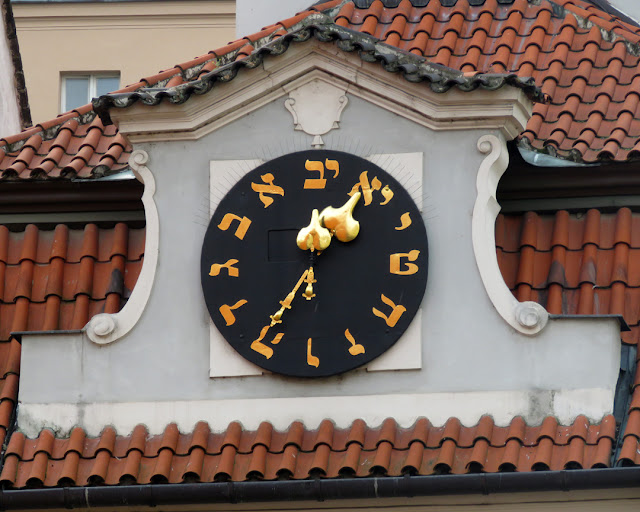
point(78, 90)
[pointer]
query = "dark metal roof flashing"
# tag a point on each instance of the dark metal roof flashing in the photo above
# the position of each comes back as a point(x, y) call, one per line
point(317, 490)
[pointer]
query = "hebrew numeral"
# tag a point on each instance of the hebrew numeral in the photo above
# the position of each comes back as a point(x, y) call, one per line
point(216, 268)
point(311, 359)
point(242, 228)
point(405, 221)
point(317, 166)
point(396, 312)
point(367, 189)
point(260, 347)
point(269, 188)
point(355, 348)
point(411, 268)
point(227, 311)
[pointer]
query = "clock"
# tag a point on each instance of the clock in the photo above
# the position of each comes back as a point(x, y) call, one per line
point(314, 263)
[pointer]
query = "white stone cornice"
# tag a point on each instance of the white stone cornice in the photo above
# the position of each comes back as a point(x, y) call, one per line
point(506, 109)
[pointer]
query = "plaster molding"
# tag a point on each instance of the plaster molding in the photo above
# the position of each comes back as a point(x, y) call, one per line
point(316, 107)
point(525, 317)
point(107, 328)
point(131, 15)
point(469, 407)
point(405, 354)
point(506, 109)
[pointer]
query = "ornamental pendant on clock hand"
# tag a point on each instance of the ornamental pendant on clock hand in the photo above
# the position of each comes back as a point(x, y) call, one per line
point(316, 237)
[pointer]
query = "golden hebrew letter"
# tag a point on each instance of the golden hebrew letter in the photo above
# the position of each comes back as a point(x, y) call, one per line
point(333, 165)
point(355, 348)
point(245, 222)
point(395, 315)
point(387, 193)
point(229, 265)
point(311, 360)
point(405, 220)
point(367, 190)
point(315, 183)
point(269, 188)
point(260, 347)
point(394, 263)
point(226, 311)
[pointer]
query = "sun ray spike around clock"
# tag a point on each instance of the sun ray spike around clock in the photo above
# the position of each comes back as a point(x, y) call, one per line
point(344, 330)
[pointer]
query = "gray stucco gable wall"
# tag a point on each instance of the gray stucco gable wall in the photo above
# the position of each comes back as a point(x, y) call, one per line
point(466, 347)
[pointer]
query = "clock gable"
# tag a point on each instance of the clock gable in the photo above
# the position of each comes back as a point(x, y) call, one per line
point(467, 356)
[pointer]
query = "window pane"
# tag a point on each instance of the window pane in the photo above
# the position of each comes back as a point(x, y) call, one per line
point(105, 84)
point(76, 92)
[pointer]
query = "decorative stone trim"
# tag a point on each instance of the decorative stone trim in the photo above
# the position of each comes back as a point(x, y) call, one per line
point(525, 317)
point(307, 117)
point(506, 109)
point(502, 406)
point(107, 328)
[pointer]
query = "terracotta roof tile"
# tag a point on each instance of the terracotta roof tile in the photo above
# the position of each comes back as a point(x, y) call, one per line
point(593, 271)
point(55, 279)
point(174, 457)
point(514, 37)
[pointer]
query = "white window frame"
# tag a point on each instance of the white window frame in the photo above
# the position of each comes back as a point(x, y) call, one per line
point(93, 84)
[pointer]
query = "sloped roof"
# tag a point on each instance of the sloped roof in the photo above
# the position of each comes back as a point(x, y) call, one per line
point(584, 60)
point(580, 264)
point(57, 279)
point(74, 145)
point(569, 263)
point(297, 453)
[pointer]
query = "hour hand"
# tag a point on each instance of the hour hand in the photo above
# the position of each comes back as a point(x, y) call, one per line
point(340, 221)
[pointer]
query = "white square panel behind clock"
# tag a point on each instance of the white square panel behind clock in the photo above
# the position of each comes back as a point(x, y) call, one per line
point(405, 354)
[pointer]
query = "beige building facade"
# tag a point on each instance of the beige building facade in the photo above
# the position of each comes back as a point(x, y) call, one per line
point(116, 41)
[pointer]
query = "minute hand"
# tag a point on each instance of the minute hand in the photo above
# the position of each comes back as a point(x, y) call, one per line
point(286, 303)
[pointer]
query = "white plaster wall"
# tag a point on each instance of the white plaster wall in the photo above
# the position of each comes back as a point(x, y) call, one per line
point(252, 15)
point(9, 113)
point(629, 7)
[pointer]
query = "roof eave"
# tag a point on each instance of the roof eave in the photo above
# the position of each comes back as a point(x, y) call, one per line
point(193, 494)
point(414, 68)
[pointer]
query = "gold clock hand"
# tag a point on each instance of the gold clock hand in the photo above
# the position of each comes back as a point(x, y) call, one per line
point(308, 292)
point(314, 237)
point(338, 222)
point(286, 303)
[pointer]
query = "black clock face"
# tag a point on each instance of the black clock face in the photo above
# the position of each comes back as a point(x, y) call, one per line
point(299, 313)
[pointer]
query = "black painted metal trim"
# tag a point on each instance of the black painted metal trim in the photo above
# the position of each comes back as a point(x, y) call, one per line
point(62, 196)
point(317, 490)
point(523, 180)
